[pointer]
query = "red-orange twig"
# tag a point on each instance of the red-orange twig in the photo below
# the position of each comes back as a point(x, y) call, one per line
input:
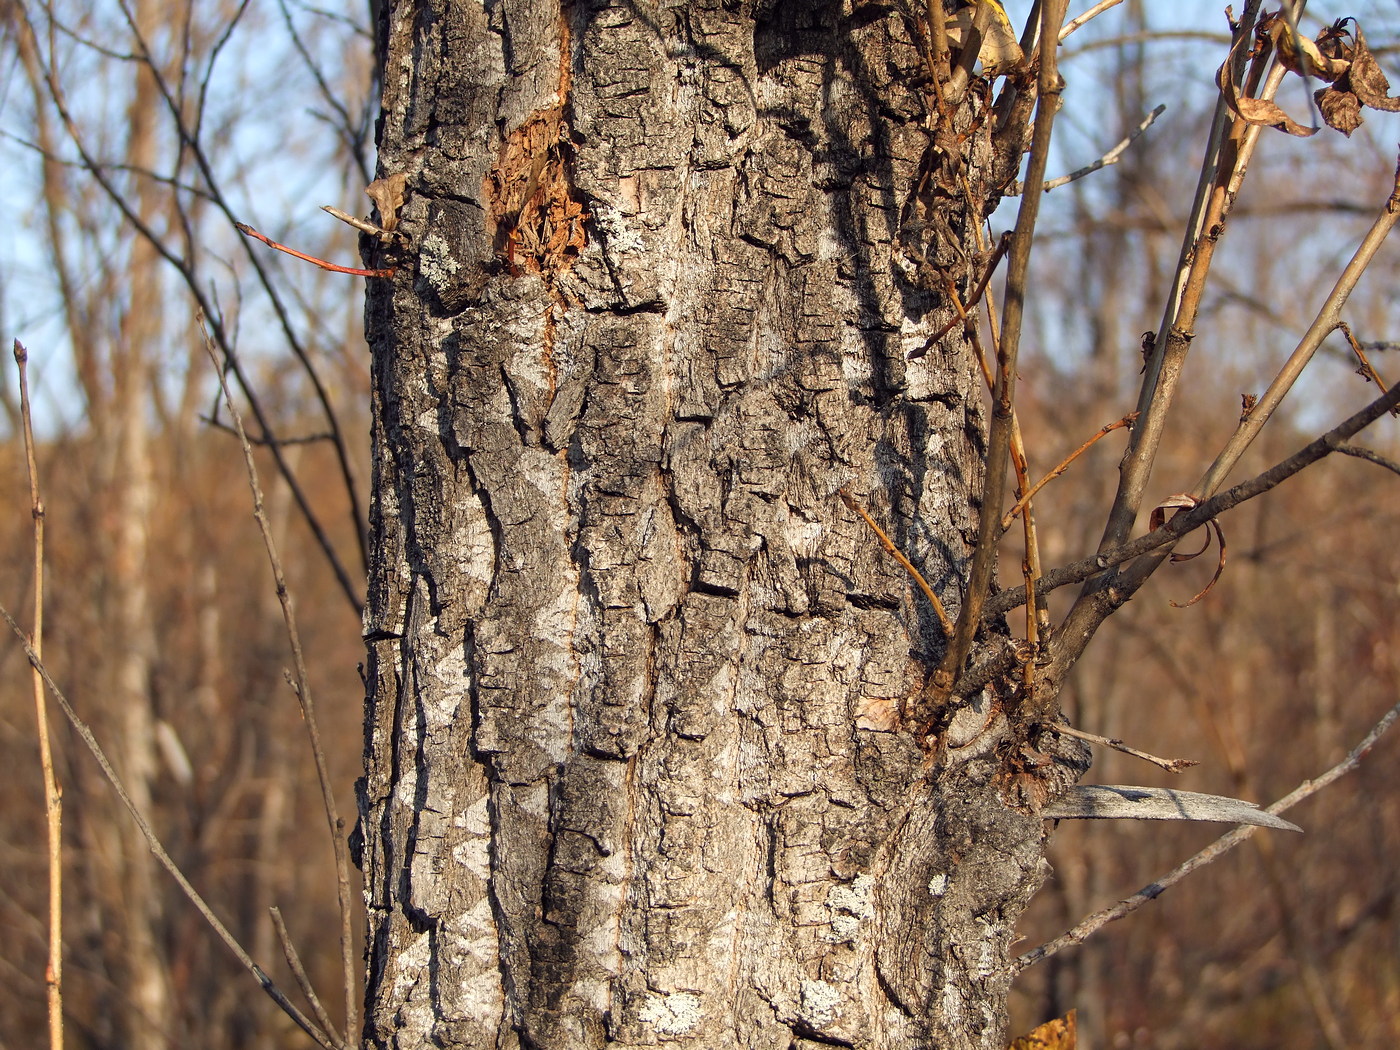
point(1108, 428)
point(1366, 368)
point(247, 230)
point(898, 556)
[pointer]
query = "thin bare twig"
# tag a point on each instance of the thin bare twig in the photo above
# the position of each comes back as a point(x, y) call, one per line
point(1367, 369)
point(289, 953)
point(1112, 157)
point(358, 223)
point(898, 556)
point(1093, 923)
point(1107, 428)
point(85, 734)
point(1171, 765)
point(53, 796)
point(257, 441)
point(354, 271)
point(1003, 243)
point(1093, 12)
point(1370, 456)
point(302, 688)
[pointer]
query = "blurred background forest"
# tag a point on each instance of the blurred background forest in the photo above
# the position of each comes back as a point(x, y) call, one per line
point(136, 131)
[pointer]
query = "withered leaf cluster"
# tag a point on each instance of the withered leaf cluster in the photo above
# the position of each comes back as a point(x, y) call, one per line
point(1338, 56)
point(1362, 83)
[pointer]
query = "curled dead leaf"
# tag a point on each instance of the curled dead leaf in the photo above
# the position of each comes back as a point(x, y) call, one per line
point(1179, 502)
point(1340, 109)
point(1339, 56)
point(1263, 112)
point(1301, 55)
point(1367, 80)
point(388, 196)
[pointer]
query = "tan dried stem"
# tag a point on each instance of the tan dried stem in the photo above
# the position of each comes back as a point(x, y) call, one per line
point(53, 795)
point(1103, 431)
point(898, 556)
point(1365, 367)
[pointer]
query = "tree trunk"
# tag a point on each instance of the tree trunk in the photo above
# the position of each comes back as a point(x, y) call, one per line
point(646, 760)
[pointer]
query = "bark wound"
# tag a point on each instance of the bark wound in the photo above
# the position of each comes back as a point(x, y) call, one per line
point(535, 210)
point(536, 213)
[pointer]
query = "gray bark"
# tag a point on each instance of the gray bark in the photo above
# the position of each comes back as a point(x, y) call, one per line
point(644, 761)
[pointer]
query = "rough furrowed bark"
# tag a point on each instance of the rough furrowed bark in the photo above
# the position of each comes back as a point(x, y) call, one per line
point(640, 767)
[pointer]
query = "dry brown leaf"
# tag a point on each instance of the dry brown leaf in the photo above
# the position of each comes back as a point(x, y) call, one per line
point(999, 50)
point(1367, 80)
point(388, 196)
point(1340, 109)
point(1059, 1034)
point(1219, 566)
point(1256, 110)
point(1178, 501)
point(1270, 115)
point(1301, 55)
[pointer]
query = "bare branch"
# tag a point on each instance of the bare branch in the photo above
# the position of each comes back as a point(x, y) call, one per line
point(1109, 158)
point(1171, 765)
point(289, 952)
point(1367, 454)
point(339, 847)
point(1225, 156)
point(1093, 923)
point(85, 734)
point(1197, 516)
point(1324, 323)
point(999, 440)
point(1093, 12)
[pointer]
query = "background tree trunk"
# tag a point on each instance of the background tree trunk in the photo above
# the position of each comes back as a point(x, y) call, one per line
point(645, 761)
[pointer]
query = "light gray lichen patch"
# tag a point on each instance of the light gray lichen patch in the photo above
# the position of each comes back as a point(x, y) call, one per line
point(673, 1014)
point(848, 906)
point(820, 1003)
point(438, 263)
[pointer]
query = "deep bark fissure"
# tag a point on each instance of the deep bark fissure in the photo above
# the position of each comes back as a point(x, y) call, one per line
point(665, 779)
